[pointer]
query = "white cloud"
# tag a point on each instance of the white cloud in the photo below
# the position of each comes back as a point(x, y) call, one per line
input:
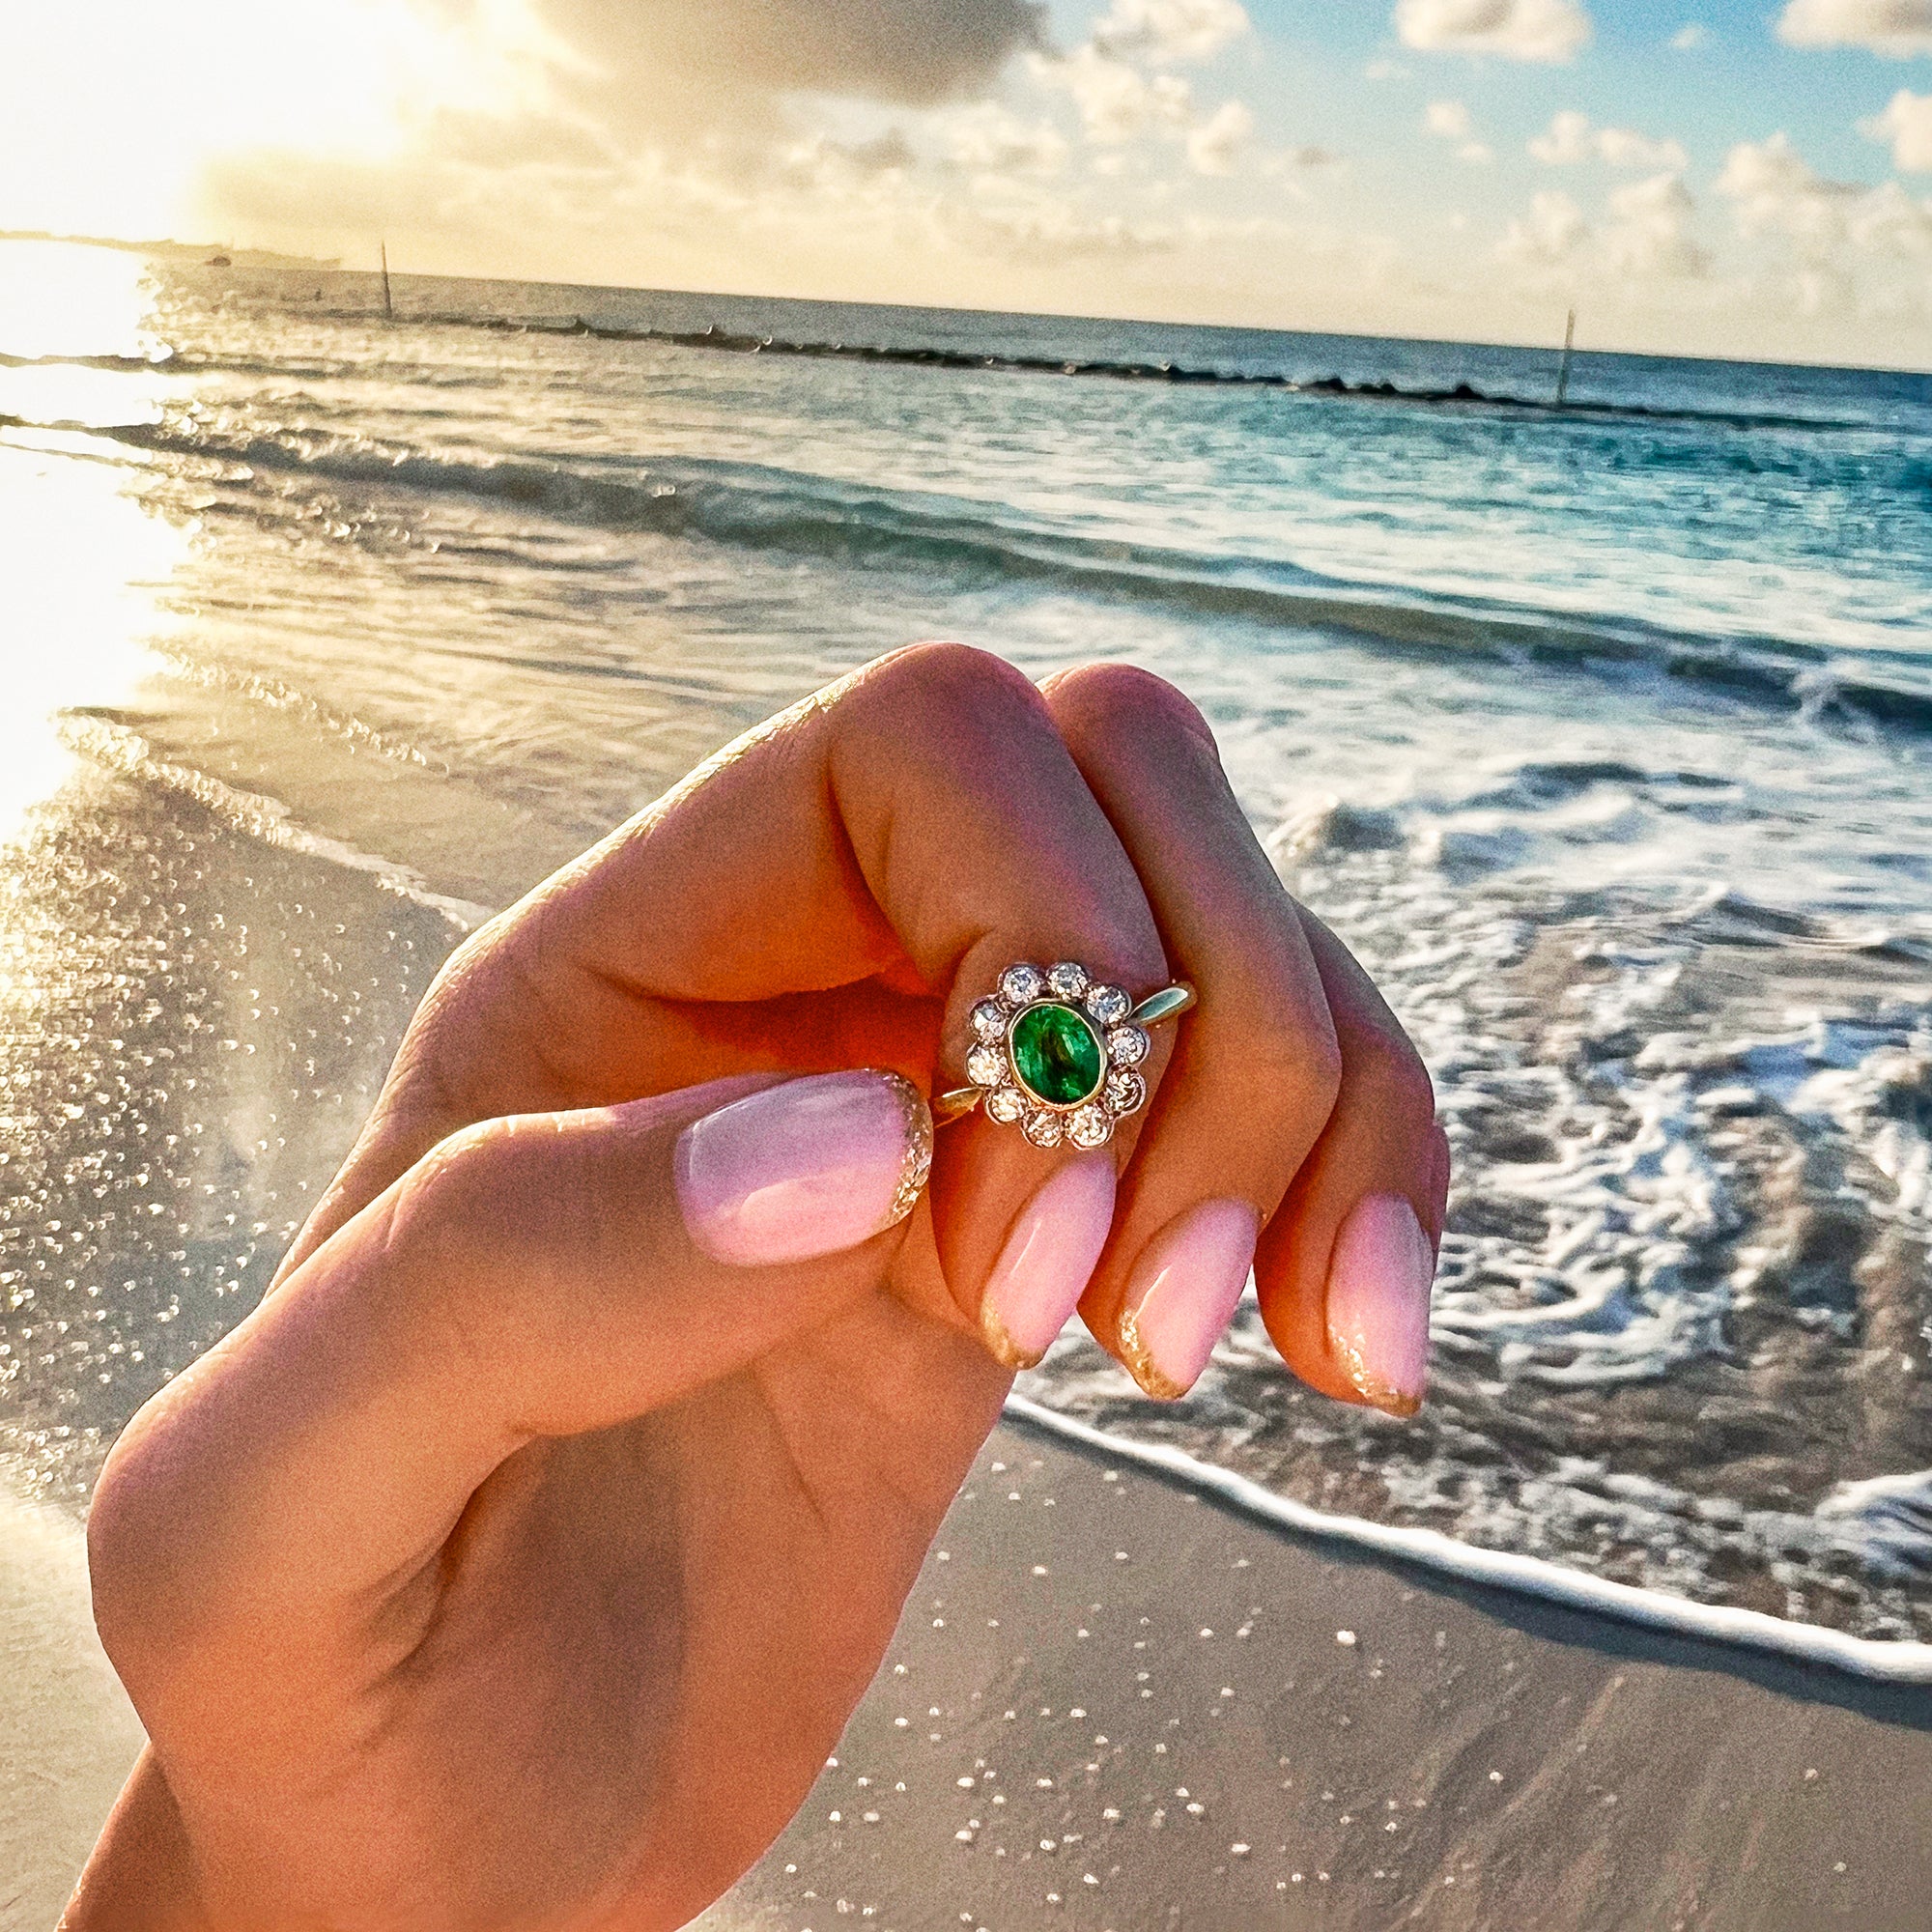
point(1693, 34)
point(1118, 102)
point(1572, 138)
point(1551, 232)
point(989, 138)
point(1645, 234)
point(1216, 143)
point(1775, 190)
point(1525, 30)
point(1889, 222)
point(1163, 31)
point(1896, 27)
point(1907, 126)
point(1649, 231)
point(1450, 121)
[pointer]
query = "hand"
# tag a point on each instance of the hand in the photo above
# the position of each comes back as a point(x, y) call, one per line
point(519, 1560)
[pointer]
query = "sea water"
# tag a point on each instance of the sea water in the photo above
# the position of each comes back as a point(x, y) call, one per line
point(1599, 732)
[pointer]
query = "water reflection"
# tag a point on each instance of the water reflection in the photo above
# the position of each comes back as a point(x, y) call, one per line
point(64, 299)
point(80, 559)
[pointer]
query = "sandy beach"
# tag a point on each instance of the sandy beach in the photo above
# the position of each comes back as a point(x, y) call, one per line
point(1114, 1703)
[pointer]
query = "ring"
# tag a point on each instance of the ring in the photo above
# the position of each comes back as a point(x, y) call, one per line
point(1056, 1051)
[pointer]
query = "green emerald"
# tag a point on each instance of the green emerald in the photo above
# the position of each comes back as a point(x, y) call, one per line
point(1057, 1055)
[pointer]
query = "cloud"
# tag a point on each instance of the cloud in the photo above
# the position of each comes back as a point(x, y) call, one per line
point(1121, 95)
point(1775, 190)
point(1118, 102)
point(1896, 27)
point(1551, 232)
point(1645, 236)
point(1889, 222)
point(1214, 146)
point(665, 63)
point(1571, 138)
point(1907, 125)
point(1525, 30)
point(1649, 231)
point(1450, 121)
point(989, 138)
point(1693, 34)
point(1166, 31)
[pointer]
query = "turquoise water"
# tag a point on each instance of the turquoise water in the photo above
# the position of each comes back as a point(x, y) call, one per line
point(1602, 732)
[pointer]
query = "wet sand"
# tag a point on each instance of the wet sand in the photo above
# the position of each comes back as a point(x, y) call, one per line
point(1282, 1733)
point(1309, 1737)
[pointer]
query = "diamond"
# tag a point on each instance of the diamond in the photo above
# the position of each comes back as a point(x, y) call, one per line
point(1109, 1004)
point(1068, 980)
point(1043, 1128)
point(1124, 1091)
point(1057, 1055)
point(1127, 1045)
point(1021, 985)
point(989, 1020)
point(1006, 1104)
point(985, 1066)
point(1092, 1127)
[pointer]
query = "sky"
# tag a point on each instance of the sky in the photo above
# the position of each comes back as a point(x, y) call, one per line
point(1737, 178)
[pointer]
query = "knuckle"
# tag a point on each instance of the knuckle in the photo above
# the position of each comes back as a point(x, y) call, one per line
point(148, 1589)
point(447, 1204)
point(1292, 1060)
point(1385, 1070)
point(117, 1539)
point(1125, 697)
point(946, 684)
point(1125, 694)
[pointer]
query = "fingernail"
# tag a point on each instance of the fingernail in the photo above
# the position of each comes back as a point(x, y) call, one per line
point(1044, 1268)
point(1183, 1294)
point(1379, 1283)
point(807, 1168)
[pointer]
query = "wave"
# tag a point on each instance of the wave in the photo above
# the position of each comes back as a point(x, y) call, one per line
point(1012, 362)
point(1151, 369)
point(765, 507)
point(1896, 1662)
point(118, 749)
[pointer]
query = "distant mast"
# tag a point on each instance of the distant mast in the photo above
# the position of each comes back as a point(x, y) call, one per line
point(1563, 369)
point(389, 306)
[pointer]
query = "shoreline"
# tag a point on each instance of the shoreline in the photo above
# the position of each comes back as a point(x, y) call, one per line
point(1883, 1660)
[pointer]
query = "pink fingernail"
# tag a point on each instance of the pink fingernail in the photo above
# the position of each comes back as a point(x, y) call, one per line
point(1379, 1282)
point(807, 1168)
point(1044, 1268)
point(1183, 1293)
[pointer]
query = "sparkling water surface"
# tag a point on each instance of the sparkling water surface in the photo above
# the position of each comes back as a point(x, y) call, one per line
point(1601, 734)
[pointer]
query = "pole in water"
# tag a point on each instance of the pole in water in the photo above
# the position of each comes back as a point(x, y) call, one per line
point(1563, 370)
point(388, 304)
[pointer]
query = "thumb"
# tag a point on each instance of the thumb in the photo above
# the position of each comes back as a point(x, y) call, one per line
point(539, 1276)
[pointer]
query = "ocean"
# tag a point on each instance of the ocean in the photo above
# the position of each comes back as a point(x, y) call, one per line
point(1602, 732)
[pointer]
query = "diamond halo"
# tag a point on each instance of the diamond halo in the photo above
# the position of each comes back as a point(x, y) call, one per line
point(1054, 1052)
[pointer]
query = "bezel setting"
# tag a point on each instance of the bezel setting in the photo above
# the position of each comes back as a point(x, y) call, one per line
point(1087, 1119)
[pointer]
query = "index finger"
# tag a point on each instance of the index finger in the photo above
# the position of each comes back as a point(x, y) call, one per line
point(913, 829)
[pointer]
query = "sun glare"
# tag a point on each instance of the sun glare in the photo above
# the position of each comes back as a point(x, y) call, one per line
point(111, 114)
point(80, 558)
